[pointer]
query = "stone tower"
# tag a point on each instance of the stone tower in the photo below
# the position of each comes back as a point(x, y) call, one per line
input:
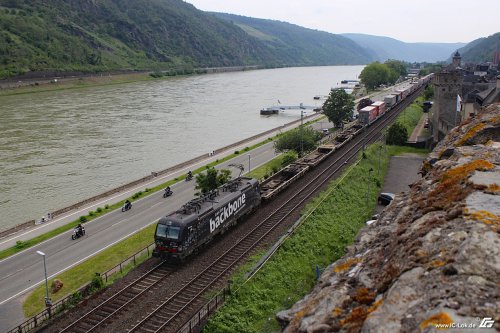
point(447, 85)
point(457, 59)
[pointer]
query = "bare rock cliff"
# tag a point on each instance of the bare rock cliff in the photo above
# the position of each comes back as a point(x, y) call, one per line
point(432, 258)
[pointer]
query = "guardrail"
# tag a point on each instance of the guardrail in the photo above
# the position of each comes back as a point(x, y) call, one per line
point(70, 300)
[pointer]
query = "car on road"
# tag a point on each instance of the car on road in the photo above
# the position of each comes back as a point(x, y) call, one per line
point(385, 198)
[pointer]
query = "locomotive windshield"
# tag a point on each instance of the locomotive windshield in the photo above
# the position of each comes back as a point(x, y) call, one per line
point(167, 231)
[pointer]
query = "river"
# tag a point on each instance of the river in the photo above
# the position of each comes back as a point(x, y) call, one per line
point(59, 147)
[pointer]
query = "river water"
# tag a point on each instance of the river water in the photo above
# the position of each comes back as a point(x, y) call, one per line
point(59, 147)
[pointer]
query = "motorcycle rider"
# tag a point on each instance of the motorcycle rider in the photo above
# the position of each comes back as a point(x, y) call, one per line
point(128, 205)
point(79, 229)
point(168, 190)
point(189, 175)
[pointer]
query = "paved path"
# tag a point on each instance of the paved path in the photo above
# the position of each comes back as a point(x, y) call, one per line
point(419, 128)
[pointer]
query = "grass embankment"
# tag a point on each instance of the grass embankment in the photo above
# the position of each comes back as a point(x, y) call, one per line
point(412, 114)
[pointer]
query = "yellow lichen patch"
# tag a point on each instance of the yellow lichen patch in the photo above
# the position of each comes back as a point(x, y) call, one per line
point(465, 170)
point(470, 134)
point(364, 296)
point(437, 263)
point(355, 318)
point(493, 188)
point(346, 265)
point(452, 187)
point(375, 305)
point(441, 318)
point(336, 312)
point(485, 217)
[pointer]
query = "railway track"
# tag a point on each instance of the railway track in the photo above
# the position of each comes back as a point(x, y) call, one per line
point(168, 315)
point(113, 307)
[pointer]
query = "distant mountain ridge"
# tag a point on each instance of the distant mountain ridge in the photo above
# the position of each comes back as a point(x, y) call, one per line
point(383, 48)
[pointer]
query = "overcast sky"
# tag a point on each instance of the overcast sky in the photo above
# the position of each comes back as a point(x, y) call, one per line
point(408, 21)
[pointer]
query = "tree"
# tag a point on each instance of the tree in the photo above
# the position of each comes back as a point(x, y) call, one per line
point(375, 74)
point(212, 179)
point(397, 134)
point(338, 107)
point(397, 69)
point(301, 139)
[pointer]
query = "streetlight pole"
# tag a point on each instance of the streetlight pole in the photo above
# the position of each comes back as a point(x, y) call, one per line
point(48, 302)
point(248, 162)
point(369, 180)
point(301, 139)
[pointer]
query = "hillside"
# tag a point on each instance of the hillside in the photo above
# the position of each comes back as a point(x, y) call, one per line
point(481, 50)
point(90, 35)
point(385, 48)
point(296, 44)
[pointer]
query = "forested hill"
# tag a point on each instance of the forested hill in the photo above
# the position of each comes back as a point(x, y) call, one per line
point(481, 50)
point(102, 35)
point(296, 44)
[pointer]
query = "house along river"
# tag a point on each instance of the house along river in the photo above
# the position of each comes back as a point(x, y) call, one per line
point(59, 147)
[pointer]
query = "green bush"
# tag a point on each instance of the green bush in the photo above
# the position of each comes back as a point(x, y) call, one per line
point(97, 283)
point(288, 159)
point(20, 244)
point(91, 213)
point(106, 207)
point(83, 219)
point(99, 210)
point(236, 152)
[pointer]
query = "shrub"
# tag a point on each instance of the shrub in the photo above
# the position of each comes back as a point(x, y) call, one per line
point(146, 190)
point(20, 244)
point(97, 283)
point(397, 134)
point(288, 159)
point(83, 219)
point(99, 210)
point(91, 213)
point(236, 152)
point(106, 207)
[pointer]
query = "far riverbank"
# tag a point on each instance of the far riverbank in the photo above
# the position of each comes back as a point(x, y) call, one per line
point(61, 81)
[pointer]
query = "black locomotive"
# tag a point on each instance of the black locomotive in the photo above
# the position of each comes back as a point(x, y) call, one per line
point(180, 233)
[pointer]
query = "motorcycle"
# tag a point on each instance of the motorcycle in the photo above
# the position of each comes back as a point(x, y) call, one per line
point(77, 233)
point(167, 193)
point(126, 206)
point(189, 177)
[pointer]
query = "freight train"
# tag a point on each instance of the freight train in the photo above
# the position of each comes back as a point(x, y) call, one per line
point(186, 230)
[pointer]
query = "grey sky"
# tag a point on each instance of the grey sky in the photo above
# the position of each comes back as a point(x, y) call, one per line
point(409, 21)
